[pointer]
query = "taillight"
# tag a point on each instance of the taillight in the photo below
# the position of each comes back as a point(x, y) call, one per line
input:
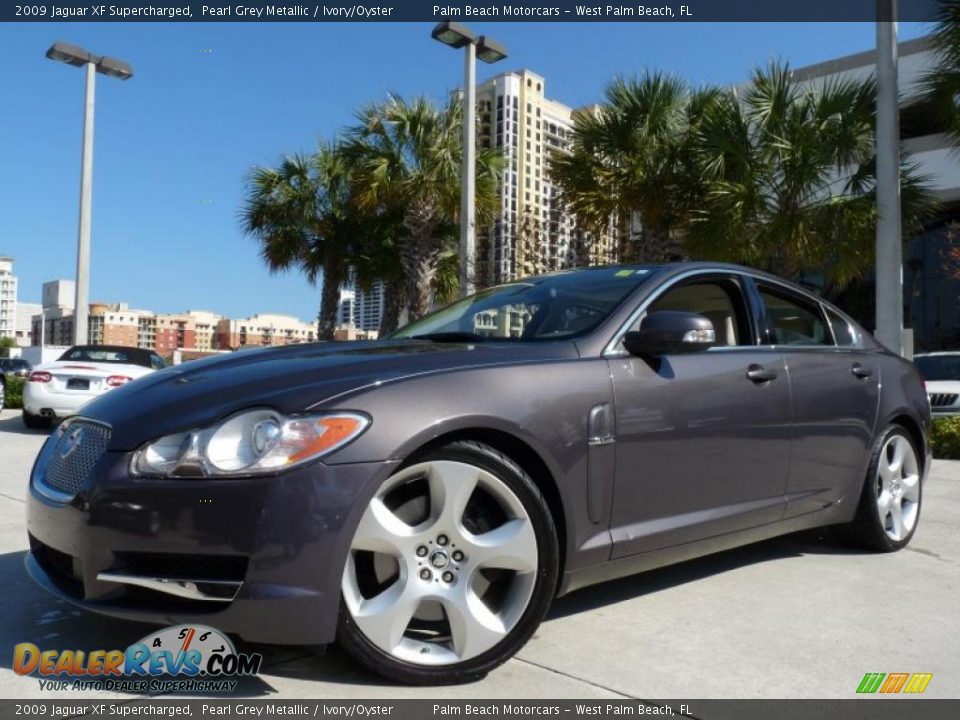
point(118, 380)
point(40, 376)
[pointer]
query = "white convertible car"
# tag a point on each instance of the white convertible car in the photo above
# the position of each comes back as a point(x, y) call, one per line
point(60, 388)
point(941, 372)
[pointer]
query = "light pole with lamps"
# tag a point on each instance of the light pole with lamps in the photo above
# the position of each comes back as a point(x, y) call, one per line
point(458, 36)
point(889, 244)
point(93, 64)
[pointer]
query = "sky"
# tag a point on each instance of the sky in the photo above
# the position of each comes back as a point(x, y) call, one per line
point(175, 144)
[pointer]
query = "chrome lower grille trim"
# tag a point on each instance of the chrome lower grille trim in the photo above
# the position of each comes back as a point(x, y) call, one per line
point(191, 589)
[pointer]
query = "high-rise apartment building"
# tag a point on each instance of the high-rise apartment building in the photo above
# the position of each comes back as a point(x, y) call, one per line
point(534, 232)
point(359, 308)
point(8, 298)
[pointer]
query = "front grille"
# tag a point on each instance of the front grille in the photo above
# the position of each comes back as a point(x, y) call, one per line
point(943, 399)
point(76, 452)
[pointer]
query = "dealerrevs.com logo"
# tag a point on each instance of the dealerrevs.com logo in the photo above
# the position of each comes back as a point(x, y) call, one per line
point(182, 658)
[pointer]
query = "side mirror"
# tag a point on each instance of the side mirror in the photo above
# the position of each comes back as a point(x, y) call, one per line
point(668, 332)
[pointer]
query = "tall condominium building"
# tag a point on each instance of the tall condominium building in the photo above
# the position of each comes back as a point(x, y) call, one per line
point(534, 232)
point(8, 298)
point(359, 308)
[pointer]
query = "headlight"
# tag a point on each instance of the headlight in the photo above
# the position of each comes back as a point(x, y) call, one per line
point(249, 443)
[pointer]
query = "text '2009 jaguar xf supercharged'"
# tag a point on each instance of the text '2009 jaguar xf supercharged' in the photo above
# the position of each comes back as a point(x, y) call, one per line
point(423, 498)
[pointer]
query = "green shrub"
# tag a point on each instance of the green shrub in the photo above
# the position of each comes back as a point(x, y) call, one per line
point(13, 393)
point(945, 438)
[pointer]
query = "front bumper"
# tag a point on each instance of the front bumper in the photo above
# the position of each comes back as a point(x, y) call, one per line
point(277, 543)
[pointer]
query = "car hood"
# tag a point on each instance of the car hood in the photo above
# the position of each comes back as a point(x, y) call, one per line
point(289, 379)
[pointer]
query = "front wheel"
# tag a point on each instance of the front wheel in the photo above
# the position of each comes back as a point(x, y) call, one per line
point(889, 509)
point(451, 569)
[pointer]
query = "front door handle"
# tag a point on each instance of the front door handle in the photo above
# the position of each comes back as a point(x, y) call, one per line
point(760, 374)
point(860, 372)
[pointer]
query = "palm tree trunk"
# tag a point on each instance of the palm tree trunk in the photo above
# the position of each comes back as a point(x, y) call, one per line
point(657, 246)
point(329, 296)
point(393, 301)
point(420, 252)
point(420, 267)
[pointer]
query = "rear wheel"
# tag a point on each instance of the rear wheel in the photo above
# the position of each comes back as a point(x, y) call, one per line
point(889, 509)
point(35, 422)
point(451, 569)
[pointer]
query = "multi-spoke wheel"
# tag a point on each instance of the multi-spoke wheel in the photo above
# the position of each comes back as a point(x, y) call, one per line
point(890, 505)
point(451, 567)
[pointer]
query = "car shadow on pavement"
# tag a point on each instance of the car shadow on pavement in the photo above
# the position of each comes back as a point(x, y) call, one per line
point(33, 615)
point(14, 424)
point(820, 541)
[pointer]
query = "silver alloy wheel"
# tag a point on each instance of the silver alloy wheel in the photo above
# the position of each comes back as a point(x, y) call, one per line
point(898, 488)
point(436, 603)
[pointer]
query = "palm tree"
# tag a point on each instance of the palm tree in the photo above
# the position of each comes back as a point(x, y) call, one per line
point(941, 86)
point(406, 165)
point(630, 159)
point(302, 215)
point(789, 177)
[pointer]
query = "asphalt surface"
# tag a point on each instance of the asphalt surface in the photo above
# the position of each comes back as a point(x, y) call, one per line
point(797, 617)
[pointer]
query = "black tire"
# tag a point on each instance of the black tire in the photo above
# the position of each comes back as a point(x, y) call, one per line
point(866, 530)
point(352, 640)
point(35, 422)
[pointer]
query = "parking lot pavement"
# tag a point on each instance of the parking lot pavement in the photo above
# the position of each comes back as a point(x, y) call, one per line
point(794, 617)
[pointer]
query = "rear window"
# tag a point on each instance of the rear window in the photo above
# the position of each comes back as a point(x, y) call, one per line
point(120, 356)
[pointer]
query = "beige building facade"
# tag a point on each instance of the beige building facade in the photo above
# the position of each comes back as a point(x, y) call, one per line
point(534, 232)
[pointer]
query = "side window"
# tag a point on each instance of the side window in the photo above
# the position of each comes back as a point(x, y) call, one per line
point(157, 362)
point(793, 319)
point(843, 331)
point(718, 300)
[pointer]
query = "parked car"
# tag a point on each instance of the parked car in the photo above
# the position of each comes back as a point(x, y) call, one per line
point(941, 371)
point(11, 367)
point(60, 388)
point(424, 498)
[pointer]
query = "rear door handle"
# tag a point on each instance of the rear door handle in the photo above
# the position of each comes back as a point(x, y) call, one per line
point(759, 374)
point(860, 372)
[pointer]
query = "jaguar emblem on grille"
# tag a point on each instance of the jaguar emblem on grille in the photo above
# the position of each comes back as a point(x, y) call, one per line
point(71, 442)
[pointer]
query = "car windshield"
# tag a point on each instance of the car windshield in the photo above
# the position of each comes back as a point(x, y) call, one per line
point(121, 356)
point(548, 307)
point(939, 367)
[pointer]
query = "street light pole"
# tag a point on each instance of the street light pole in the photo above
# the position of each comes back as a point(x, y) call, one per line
point(92, 64)
point(889, 247)
point(82, 288)
point(458, 36)
point(468, 173)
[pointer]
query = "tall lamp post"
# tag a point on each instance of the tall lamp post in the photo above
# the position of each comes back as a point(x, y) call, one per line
point(458, 36)
point(93, 64)
point(889, 245)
